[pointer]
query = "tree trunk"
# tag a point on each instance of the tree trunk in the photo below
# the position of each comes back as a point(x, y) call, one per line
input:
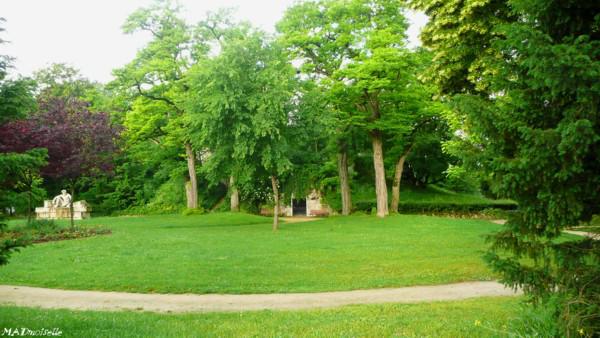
point(29, 205)
point(344, 181)
point(235, 195)
point(276, 200)
point(188, 192)
point(380, 186)
point(192, 184)
point(397, 180)
point(71, 205)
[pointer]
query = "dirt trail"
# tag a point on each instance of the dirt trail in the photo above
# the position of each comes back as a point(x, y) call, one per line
point(116, 301)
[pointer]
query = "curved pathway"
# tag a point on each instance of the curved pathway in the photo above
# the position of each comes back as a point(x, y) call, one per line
point(592, 235)
point(115, 301)
point(572, 231)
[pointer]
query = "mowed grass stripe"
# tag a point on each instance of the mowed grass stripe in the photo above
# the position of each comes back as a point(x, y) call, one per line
point(481, 317)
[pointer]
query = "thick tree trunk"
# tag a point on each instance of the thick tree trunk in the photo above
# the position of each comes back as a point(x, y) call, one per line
point(344, 181)
point(274, 184)
point(397, 180)
point(191, 186)
point(234, 198)
point(188, 192)
point(380, 186)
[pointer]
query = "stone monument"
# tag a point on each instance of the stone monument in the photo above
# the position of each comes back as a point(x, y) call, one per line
point(60, 208)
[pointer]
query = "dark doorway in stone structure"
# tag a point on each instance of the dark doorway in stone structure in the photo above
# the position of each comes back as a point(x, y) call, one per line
point(299, 207)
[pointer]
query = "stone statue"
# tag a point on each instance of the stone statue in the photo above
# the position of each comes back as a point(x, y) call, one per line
point(62, 206)
point(63, 200)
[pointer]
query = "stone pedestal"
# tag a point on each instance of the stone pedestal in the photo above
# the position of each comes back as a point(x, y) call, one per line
point(81, 210)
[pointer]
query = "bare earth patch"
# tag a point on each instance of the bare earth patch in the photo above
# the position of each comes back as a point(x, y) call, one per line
point(112, 301)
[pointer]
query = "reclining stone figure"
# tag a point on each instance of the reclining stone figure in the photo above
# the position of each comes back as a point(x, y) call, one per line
point(63, 200)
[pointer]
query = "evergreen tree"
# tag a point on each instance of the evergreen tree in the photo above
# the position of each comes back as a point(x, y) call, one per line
point(529, 97)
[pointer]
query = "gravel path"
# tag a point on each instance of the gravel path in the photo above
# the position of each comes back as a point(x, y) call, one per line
point(592, 235)
point(574, 231)
point(115, 301)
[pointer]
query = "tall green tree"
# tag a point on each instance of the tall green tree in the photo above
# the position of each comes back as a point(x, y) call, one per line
point(241, 109)
point(461, 33)
point(318, 34)
point(16, 100)
point(309, 131)
point(355, 49)
point(61, 80)
point(415, 140)
point(530, 99)
point(155, 81)
point(13, 167)
point(221, 87)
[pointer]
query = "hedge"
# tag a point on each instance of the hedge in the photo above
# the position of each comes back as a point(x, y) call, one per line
point(437, 207)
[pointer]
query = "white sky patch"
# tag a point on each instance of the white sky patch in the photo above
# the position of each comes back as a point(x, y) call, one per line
point(86, 34)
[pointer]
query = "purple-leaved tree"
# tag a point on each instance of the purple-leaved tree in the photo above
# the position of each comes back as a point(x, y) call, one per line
point(79, 142)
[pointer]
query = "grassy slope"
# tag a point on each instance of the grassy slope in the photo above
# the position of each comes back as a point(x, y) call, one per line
point(431, 194)
point(434, 194)
point(443, 319)
point(237, 253)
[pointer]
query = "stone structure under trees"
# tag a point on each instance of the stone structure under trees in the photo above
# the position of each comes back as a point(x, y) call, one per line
point(60, 208)
point(310, 206)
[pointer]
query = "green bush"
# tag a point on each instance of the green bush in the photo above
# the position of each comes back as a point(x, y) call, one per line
point(190, 212)
point(150, 209)
point(39, 231)
point(42, 225)
point(459, 179)
point(364, 206)
point(451, 207)
point(499, 208)
point(171, 193)
point(360, 193)
point(538, 321)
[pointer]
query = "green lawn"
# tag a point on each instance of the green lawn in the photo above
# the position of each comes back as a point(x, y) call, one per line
point(482, 317)
point(238, 253)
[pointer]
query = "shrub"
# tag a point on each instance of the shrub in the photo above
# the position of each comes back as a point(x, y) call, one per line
point(150, 209)
point(493, 208)
point(459, 179)
point(43, 225)
point(364, 206)
point(450, 207)
point(535, 321)
point(8, 244)
point(39, 231)
point(190, 212)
